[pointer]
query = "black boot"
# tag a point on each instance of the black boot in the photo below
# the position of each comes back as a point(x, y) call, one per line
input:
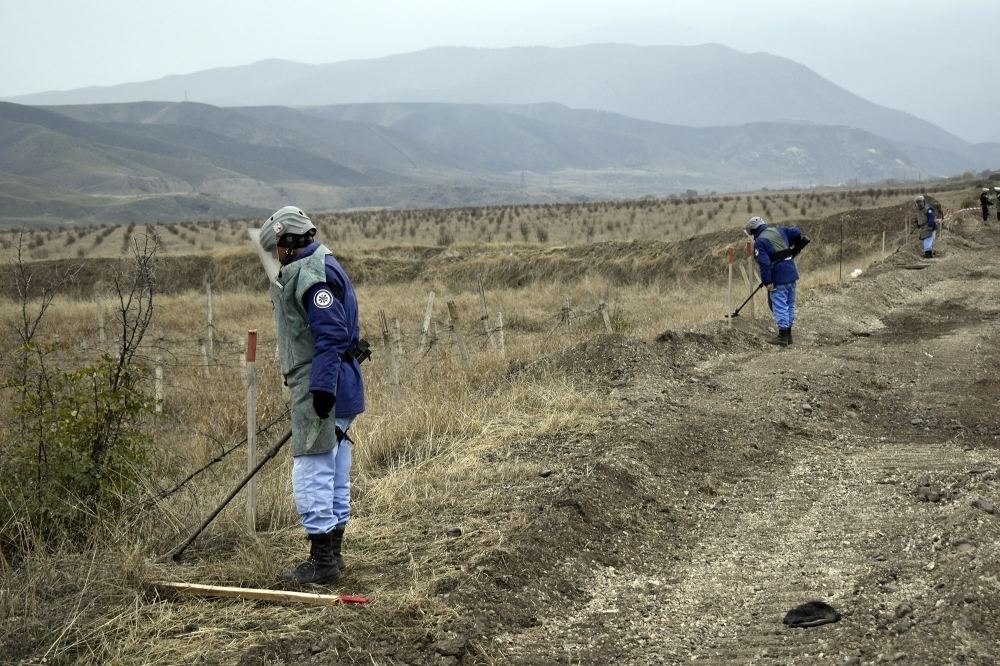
point(928, 254)
point(321, 567)
point(336, 544)
point(783, 339)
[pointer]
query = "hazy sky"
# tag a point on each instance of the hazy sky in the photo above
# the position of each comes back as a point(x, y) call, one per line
point(938, 60)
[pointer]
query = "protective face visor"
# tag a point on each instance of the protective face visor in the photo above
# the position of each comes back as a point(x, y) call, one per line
point(271, 265)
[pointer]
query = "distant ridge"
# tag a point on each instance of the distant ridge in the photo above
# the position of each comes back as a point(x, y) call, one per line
point(706, 85)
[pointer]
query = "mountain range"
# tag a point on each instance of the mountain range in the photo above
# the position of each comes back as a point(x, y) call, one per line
point(455, 126)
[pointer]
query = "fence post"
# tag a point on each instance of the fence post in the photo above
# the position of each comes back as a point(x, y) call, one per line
point(455, 336)
point(393, 361)
point(204, 358)
point(730, 254)
point(485, 317)
point(101, 334)
point(425, 330)
point(211, 324)
point(500, 338)
point(564, 315)
point(397, 338)
point(251, 382)
point(883, 241)
point(158, 391)
point(603, 307)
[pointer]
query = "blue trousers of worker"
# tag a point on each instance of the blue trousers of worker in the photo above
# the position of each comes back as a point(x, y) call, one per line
point(321, 485)
point(783, 305)
point(929, 243)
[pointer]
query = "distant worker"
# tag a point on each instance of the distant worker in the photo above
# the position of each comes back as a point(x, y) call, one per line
point(984, 201)
point(996, 193)
point(926, 225)
point(319, 351)
point(775, 249)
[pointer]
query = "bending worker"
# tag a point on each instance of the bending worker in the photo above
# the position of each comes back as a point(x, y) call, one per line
point(926, 225)
point(320, 350)
point(775, 249)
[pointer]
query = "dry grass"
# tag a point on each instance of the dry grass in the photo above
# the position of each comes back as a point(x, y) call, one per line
point(419, 468)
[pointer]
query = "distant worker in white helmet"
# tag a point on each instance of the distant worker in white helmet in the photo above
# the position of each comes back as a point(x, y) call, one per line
point(319, 350)
point(775, 249)
point(926, 225)
point(984, 202)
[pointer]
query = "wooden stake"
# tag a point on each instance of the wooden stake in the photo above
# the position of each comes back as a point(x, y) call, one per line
point(604, 315)
point(485, 317)
point(211, 325)
point(730, 253)
point(393, 361)
point(158, 393)
point(101, 334)
point(455, 335)
point(168, 589)
point(251, 381)
point(425, 330)
point(499, 337)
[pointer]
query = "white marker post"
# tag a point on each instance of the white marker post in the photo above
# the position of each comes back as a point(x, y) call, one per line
point(730, 255)
point(251, 358)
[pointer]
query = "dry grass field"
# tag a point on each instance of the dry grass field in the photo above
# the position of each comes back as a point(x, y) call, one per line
point(549, 274)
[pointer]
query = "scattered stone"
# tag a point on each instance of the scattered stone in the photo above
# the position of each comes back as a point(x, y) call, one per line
point(545, 473)
point(925, 494)
point(903, 609)
point(984, 505)
point(807, 408)
point(964, 547)
point(916, 420)
point(454, 533)
point(452, 645)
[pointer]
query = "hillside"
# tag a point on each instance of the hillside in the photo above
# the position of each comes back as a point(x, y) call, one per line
point(718, 86)
point(193, 161)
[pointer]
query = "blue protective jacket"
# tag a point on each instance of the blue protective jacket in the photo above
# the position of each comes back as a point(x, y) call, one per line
point(330, 310)
point(772, 248)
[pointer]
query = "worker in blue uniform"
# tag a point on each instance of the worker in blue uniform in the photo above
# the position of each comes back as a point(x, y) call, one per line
point(775, 249)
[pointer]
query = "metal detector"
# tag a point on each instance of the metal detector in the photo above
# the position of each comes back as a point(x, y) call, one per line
point(736, 312)
point(175, 554)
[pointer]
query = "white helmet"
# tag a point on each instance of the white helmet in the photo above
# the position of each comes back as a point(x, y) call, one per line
point(986, 189)
point(288, 227)
point(753, 224)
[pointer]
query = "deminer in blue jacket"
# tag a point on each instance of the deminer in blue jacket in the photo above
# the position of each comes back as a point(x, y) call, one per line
point(926, 225)
point(775, 249)
point(319, 350)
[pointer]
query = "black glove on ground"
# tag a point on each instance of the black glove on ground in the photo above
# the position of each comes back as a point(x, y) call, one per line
point(323, 403)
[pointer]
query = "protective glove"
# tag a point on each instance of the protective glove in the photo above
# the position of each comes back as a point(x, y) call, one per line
point(323, 403)
point(770, 287)
point(803, 241)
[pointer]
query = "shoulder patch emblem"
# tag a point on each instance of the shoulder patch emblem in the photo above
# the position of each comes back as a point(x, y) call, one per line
point(323, 299)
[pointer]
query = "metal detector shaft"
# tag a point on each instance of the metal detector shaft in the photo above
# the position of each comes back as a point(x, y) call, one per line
point(176, 553)
point(736, 312)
